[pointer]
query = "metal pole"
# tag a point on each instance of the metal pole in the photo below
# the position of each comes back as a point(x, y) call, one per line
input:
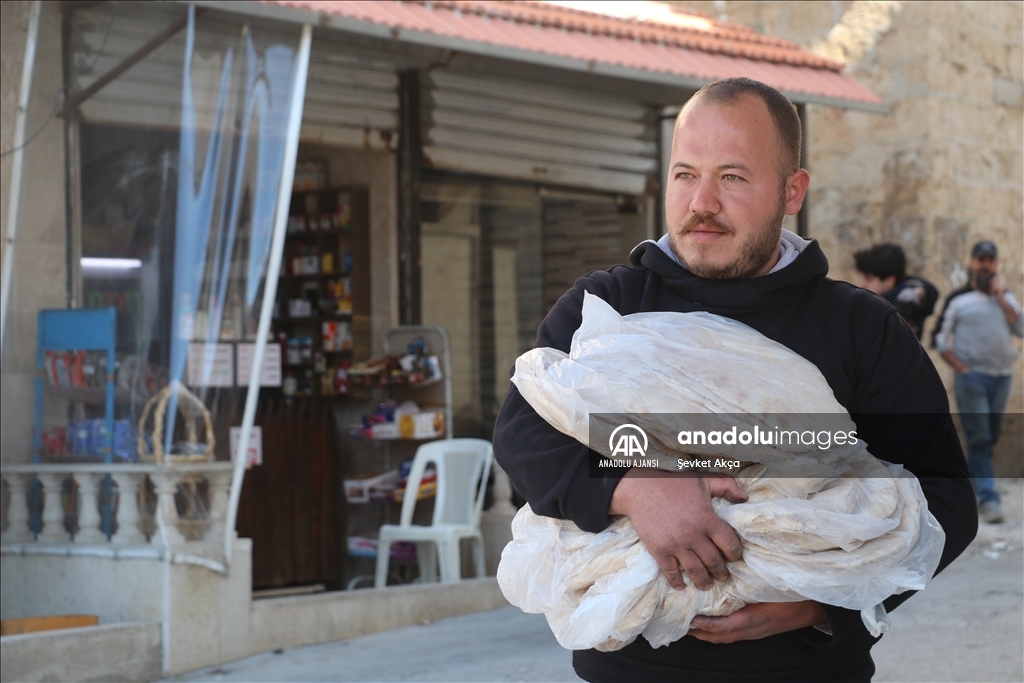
point(270, 289)
point(409, 172)
point(14, 196)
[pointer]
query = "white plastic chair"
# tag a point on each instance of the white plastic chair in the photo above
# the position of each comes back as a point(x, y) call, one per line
point(462, 469)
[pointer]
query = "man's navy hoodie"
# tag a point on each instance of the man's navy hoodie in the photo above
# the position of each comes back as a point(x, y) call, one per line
point(877, 370)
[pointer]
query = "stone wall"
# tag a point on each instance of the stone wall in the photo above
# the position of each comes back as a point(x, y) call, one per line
point(944, 169)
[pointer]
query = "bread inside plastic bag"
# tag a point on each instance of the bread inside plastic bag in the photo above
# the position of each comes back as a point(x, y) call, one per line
point(851, 535)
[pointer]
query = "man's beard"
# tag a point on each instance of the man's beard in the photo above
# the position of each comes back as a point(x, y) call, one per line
point(756, 253)
point(980, 280)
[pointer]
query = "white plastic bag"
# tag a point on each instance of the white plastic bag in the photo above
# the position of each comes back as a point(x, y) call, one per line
point(852, 535)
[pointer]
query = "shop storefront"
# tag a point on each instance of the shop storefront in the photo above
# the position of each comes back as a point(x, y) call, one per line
point(263, 210)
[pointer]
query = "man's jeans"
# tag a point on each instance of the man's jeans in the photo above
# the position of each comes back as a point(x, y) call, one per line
point(981, 400)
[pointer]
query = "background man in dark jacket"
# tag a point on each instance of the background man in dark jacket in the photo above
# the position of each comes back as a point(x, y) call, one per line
point(734, 175)
point(883, 270)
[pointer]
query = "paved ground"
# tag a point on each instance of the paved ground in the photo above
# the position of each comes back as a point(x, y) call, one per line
point(967, 626)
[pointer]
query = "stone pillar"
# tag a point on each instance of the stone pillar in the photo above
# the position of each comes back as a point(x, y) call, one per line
point(129, 532)
point(18, 530)
point(220, 490)
point(496, 522)
point(53, 512)
point(89, 518)
point(502, 492)
point(166, 484)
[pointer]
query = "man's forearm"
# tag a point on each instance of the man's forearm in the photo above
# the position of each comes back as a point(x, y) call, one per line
point(623, 493)
point(1012, 316)
point(758, 620)
point(954, 361)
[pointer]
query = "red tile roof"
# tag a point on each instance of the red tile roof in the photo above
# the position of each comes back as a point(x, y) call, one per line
point(700, 48)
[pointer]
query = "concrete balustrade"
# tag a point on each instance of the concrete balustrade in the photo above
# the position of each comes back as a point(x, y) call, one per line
point(220, 491)
point(166, 485)
point(89, 518)
point(18, 513)
point(129, 497)
point(202, 531)
point(53, 530)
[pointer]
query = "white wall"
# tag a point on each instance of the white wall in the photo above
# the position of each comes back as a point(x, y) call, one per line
point(205, 615)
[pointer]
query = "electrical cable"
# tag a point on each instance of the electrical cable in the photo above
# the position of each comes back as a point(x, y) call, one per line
point(71, 81)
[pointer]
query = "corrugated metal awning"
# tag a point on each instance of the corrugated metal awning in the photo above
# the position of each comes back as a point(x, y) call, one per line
point(350, 102)
point(543, 34)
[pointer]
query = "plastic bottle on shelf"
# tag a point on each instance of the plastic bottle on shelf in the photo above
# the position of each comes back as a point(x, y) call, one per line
point(342, 382)
point(293, 354)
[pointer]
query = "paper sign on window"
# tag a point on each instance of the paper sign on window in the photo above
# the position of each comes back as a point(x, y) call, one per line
point(255, 445)
point(210, 365)
point(270, 373)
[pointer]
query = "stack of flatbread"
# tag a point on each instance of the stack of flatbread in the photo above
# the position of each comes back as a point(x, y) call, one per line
point(834, 525)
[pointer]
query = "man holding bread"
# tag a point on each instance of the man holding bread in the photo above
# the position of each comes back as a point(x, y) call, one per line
point(734, 176)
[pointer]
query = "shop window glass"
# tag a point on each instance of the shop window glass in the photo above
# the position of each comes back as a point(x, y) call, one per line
point(179, 163)
point(494, 257)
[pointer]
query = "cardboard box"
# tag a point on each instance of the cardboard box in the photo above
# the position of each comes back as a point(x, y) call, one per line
point(363, 489)
point(428, 424)
point(384, 430)
point(362, 547)
point(401, 551)
point(310, 265)
point(422, 424)
point(428, 489)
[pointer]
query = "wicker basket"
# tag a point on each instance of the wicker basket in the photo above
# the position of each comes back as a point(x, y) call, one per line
point(192, 409)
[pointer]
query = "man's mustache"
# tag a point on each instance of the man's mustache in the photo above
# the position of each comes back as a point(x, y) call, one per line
point(705, 219)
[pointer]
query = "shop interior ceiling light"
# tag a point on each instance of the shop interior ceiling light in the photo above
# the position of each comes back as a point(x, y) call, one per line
point(111, 263)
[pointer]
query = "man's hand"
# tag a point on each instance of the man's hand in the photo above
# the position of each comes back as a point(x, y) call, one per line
point(996, 287)
point(998, 290)
point(758, 620)
point(673, 517)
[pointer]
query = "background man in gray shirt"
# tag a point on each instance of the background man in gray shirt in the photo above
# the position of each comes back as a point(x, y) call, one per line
point(973, 336)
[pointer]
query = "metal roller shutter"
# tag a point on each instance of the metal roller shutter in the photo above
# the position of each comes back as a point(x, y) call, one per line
point(532, 132)
point(349, 102)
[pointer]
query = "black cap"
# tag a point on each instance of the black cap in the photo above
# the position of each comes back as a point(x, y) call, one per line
point(984, 248)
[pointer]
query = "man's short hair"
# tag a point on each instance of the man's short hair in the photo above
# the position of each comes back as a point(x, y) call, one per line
point(783, 112)
point(882, 260)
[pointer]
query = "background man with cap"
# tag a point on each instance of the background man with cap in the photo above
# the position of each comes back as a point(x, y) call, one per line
point(973, 336)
